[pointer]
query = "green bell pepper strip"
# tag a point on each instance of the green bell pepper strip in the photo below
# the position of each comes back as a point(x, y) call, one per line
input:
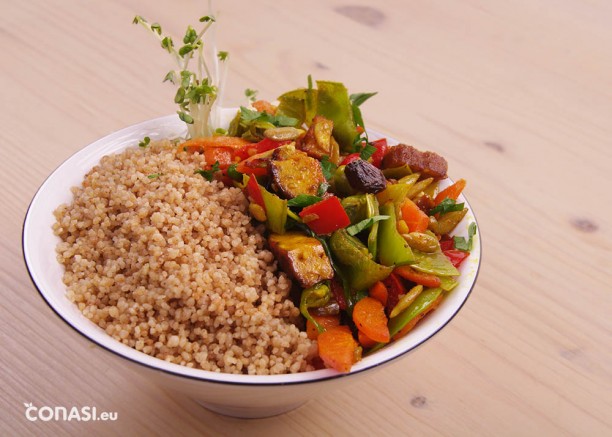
point(276, 209)
point(373, 210)
point(397, 172)
point(314, 297)
point(340, 183)
point(356, 207)
point(333, 102)
point(396, 250)
point(356, 263)
point(395, 193)
point(422, 302)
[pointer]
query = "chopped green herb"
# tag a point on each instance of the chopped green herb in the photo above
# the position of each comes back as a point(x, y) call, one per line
point(327, 167)
point(145, 142)
point(359, 98)
point(322, 189)
point(461, 243)
point(220, 131)
point(209, 174)
point(222, 55)
point(302, 200)
point(364, 224)
point(233, 173)
point(447, 205)
point(154, 175)
point(249, 116)
point(367, 152)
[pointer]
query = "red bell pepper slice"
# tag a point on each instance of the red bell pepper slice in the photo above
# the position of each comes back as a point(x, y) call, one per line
point(326, 216)
point(350, 158)
point(338, 292)
point(254, 192)
point(455, 256)
point(260, 147)
point(447, 244)
point(381, 150)
point(395, 290)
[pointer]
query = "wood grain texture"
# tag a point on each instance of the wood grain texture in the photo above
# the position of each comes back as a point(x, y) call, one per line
point(518, 97)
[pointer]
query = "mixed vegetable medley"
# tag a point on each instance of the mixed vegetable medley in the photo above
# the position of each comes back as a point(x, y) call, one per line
point(360, 226)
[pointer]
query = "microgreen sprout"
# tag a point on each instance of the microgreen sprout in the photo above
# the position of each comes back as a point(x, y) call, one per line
point(250, 94)
point(145, 142)
point(198, 91)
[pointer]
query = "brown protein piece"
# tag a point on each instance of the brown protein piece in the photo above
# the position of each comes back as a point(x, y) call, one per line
point(429, 164)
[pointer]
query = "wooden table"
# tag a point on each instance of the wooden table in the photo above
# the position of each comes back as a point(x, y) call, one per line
point(517, 95)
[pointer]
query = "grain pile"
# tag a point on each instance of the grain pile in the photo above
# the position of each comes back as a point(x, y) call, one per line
point(170, 264)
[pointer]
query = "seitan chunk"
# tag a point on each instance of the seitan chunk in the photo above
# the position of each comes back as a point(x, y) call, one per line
point(294, 172)
point(303, 258)
point(429, 164)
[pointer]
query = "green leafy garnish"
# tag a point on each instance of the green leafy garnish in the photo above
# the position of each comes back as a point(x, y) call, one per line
point(358, 99)
point(303, 200)
point(322, 189)
point(154, 175)
point(145, 142)
point(364, 224)
point(233, 173)
point(461, 243)
point(250, 115)
point(197, 90)
point(327, 167)
point(367, 151)
point(210, 173)
point(447, 205)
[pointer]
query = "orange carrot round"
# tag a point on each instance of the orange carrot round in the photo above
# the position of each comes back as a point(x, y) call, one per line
point(451, 192)
point(325, 321)
point(369, 316)
point(425, 279)
point(366, 341)
point(338, 349)
point(414, 217)
point(379, 292)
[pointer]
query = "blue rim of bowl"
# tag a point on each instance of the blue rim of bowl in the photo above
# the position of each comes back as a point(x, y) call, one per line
point(238, 383)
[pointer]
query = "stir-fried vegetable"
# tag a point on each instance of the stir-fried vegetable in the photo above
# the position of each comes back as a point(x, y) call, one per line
point(366, 239)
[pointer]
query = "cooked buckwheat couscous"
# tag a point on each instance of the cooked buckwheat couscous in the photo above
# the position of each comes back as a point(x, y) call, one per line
point(170, 264)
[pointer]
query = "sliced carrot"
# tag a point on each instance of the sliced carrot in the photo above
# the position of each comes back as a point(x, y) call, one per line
point(379, 292)
point(223, 155)
point(325, 321)
point(451, 192)
point(338, 349)
point(414, 217)
point(411, 324)
point(425, 279)
point(369, 316)
point(365, 341)
point(199, 144)
point(264, 106)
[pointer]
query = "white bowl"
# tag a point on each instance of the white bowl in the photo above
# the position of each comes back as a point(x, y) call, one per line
point(235, 395)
